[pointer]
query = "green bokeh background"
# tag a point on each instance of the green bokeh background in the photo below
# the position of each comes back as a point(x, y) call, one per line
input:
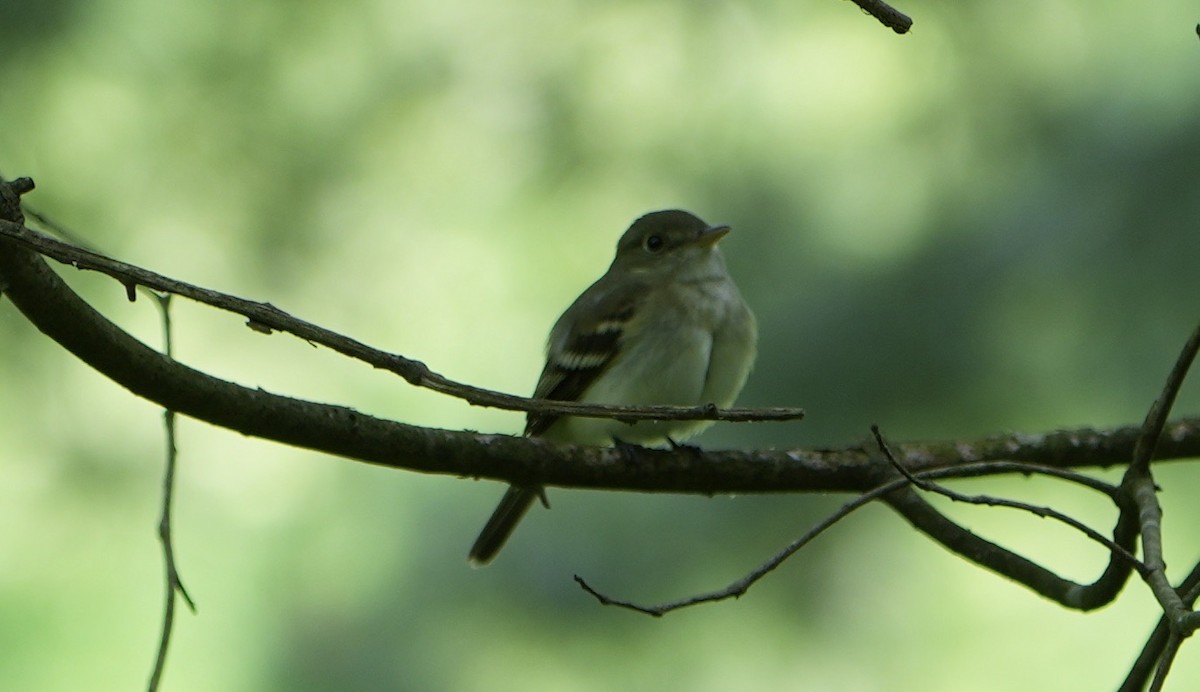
point(988, 225)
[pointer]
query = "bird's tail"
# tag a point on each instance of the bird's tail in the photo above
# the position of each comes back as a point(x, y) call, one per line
point(506, 517)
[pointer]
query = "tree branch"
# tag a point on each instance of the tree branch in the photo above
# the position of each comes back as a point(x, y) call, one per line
point(41, 295)
point(49, 303)
point(265, 318)
point(923, 517)
point(1156, 643)
point(1141, 497)
point(174, 583)
point(887, 15)
point(739, 587)
point(930, 486)
point(1141, 489)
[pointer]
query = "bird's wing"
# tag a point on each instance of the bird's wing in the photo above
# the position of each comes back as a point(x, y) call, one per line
point(580, 350)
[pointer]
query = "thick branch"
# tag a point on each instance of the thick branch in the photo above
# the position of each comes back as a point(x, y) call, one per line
point(56, 310)
point(981, 551)
point(51, 305)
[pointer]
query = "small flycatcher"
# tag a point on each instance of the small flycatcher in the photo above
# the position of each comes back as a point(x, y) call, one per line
point(664, 325)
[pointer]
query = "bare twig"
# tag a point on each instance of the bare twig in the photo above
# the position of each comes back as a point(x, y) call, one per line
point(1141, 491)
point(928, 485)
point(1152, 651)
point(1174, 640)
point(1156, 418)
point(887, 15)
point(174, 584)
point(958, 539)
point(739, 587)
point(1139, 483)
point(13, 209)
point(264, 317)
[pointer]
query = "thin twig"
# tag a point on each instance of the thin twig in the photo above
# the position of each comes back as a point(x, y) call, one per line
point(264, 317)
point(928, 485)
point(1152, 650)
point(1178, 620)
point(739, 587)
point(1156, 418)
point(889, 16)
point(174, 584)
point(1174, 640)
point(1138, 483)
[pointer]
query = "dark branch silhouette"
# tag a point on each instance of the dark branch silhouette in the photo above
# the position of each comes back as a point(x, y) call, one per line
point(266, 318)
point(174, 588)
point(931, 486)
point(55, 309)
point(739, 587)
point(1141, 494)
point(173, 582)
point(894, 474)
point(1148, 660)
point(887, 15)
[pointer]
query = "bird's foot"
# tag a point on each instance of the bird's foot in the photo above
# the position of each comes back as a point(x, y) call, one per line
point(629, 451)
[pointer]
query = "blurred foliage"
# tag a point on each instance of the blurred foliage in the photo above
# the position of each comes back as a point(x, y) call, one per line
point(987, 225)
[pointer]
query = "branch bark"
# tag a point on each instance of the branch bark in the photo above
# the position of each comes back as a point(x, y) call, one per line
point(42, 296)
point(887, 15)
point(266, 318)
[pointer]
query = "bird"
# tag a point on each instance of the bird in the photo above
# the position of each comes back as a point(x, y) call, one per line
point(664, 325)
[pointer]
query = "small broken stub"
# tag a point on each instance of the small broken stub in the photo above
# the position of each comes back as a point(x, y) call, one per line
point(259, 327)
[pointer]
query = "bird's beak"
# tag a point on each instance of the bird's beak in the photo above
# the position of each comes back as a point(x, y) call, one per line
point(709, 236)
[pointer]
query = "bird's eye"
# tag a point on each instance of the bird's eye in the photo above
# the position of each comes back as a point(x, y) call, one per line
point(653, 243)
